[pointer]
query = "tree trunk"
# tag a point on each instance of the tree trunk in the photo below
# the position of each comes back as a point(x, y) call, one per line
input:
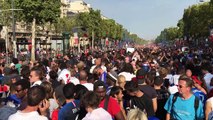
point(93, 40)
point(33, 40)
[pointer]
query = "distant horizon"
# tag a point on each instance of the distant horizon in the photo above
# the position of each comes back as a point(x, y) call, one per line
point(138, 17)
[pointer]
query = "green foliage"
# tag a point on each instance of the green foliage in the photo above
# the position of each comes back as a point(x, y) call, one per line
point(196, 22)
point(169, 34)
point(5, 13)
point(64, 24)
point(42, 10)
point(102, 28)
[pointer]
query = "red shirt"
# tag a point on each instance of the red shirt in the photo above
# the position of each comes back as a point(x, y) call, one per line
point(55, 114)
point(113, 106)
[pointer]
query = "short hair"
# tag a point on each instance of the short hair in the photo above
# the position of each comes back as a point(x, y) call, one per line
point(35, 95)
point(163, 72)
point(25, 72)
point(68, 90)
point(38, 71)
point(90, 99)
point(53, 75)
point(59, 95)
point(189, 81)
point(48, 88)
point(158, 80)
point(115, 91)
point(80, 90)
point(131, 86)
point(83, 75)
point(99, 84)
point(136, 114)
point(25, 84)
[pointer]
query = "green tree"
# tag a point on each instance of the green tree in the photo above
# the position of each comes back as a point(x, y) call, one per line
point(5, 13)
point(169, 34)
point(38, 12)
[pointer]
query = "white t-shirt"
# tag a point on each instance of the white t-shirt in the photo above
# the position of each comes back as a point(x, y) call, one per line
point(89, 86)
point(36, 83)
point(64, 75)
point(93, 67)
point(175, 79)
point(27, 116)
point(74, 80)
point(127, 75)
point(53, 106)
point(98, 114)
point(207, 78)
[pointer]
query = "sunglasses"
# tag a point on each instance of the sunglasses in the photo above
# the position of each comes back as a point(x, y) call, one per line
point(180, 86)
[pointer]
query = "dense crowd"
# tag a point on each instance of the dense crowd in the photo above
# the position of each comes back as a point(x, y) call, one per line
point(155, 83)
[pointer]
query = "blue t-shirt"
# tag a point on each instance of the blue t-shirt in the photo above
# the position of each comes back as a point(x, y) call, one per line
point(184, 109)
point(69, 111)
point(202, 96)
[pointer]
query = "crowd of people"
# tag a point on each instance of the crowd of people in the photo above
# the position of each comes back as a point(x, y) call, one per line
point(155, 83)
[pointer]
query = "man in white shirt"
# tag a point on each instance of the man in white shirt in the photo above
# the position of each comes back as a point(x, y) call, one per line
point(35, 76)
point(83, 80)
point(36, 101)
point(65, 75)
point(97, 63)
point(207, 76)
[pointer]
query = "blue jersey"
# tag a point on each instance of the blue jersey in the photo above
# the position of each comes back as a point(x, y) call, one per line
point(202, 96)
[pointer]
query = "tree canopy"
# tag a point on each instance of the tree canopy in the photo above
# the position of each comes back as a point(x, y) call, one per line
point(197, 21)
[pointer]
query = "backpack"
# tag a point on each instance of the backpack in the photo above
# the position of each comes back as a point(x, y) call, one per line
point(196, 103)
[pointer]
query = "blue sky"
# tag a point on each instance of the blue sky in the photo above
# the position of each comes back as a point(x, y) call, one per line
point(146, 18)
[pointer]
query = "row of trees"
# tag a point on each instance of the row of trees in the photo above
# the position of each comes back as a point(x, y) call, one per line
point(196, 22)
point(46, 13)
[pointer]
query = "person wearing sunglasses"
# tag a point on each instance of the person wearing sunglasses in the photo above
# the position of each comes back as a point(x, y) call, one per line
point(183, 107)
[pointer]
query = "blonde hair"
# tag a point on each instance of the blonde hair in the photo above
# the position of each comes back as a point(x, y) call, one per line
point(120, 79)
point(136, 114)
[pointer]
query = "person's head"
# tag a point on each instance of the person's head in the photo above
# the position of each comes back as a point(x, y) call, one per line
point(100, 89)
point(53, 75)
point(116, 92)
point(185, 84)
point(98, 61)
point(136, 114)
point(121, 81)
point(35, 95)
point(188, 73)
point(90, 101)
point(59, 96)
point(25, 72)
point(68, 91)
point(132, 88)
point(80, 65)
point(97, 70)
point(36, 74)
point(163, 72)
point(63, 65)
point(158, 81)
point(80, 90)
point(21, 88)
point(127, 68)
point(127, 59)
point(141, 76)
point(48, 88)
point(83, 75)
